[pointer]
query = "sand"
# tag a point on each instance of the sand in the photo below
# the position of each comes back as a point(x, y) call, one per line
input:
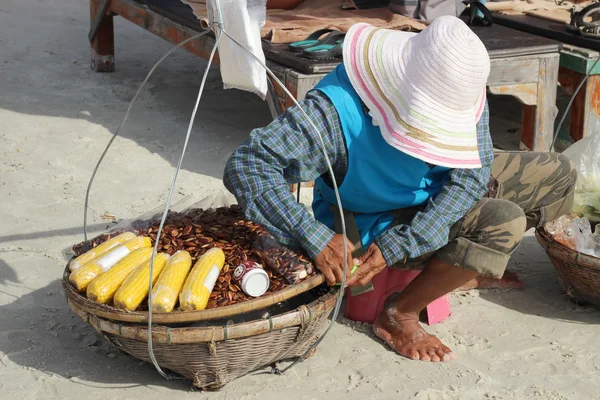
point(56, 115)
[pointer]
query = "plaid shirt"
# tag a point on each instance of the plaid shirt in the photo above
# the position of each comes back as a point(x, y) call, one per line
point(288, 151)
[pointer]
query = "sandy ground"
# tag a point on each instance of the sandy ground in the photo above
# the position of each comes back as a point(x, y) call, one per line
point(55, 117)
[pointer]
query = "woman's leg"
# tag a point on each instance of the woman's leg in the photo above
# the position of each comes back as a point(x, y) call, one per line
point(534, 189)
point(542, 184)
point(485, 239)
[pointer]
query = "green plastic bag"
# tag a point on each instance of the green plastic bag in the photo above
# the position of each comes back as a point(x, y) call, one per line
point(586, 155)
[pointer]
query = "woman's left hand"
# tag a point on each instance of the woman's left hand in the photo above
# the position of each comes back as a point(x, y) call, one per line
point(369, 264)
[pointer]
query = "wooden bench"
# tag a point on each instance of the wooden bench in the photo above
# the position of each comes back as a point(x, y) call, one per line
point(522, 65)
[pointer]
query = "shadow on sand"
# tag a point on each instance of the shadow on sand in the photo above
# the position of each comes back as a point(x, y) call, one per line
point(542, 295)
point(38, 331)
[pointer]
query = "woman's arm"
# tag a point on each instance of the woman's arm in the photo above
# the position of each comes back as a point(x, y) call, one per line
point(286, 151)
point(429, 229)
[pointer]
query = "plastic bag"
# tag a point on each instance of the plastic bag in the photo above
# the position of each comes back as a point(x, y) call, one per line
point(581, 231)
point(586, 155)
point(576, 233)
point(144, 221)
point(293, 266)
point(196, 226)
point(243, 20)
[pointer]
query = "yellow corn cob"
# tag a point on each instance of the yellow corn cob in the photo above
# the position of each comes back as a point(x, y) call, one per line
point(82, 277)
point(201, 281)
point(104, 286)
point(99, 250)
point(170, 282)
point(135, 288)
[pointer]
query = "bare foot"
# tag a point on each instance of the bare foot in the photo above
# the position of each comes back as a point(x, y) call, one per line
point(404, 334)
point(509, 280)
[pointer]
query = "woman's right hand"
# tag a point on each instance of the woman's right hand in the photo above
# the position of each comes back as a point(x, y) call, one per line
point(330, 260)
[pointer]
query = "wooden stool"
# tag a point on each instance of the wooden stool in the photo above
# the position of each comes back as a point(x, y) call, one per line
point(367, 306)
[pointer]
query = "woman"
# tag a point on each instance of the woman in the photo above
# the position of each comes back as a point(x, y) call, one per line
point(405, 124)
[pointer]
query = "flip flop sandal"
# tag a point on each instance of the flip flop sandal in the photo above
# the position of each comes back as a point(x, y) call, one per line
point(325, 51)
point(310, 41)
point(330, 48)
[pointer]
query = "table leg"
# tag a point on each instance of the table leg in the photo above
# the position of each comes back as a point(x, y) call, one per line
point(273, 100)
point(103, 45)
point(537, 127)
point(585, 110)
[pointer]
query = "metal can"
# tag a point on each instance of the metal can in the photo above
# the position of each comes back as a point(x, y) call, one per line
point(252, 278)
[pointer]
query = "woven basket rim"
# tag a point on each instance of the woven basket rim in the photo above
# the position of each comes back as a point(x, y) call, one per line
point(301, 316)
point(176, 317)
point(564, 253)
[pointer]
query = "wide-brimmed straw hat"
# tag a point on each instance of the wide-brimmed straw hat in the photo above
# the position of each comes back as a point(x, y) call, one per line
point(426, 91)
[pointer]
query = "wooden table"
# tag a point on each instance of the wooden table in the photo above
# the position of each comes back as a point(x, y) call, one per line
point(577, 57)
point(522, 65)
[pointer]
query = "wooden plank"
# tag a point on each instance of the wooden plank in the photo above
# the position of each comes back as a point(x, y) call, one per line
point(585, 111)
point(528, 127)
point(579, 60)
point(537, 128)
point(591, 111)
point(510, 71)
point(163, 27)
point(273, 100)
point(526, 93)
point(569, 81)
point(304, 83)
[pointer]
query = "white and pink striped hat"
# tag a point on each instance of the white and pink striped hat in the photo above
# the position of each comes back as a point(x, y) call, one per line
point(426, 91)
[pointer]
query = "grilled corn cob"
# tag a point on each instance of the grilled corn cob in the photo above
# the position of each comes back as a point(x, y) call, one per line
point(135, 288)
point(170, 282)
point(82, 277)
point(99, 250)
point(104, 286)
point(201, 280)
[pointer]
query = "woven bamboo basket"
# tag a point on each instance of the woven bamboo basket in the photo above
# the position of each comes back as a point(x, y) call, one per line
point(217, 352)
point(182, 317)
point(578, 273)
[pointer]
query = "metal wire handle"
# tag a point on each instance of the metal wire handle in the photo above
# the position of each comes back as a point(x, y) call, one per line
point(217, 26)
point(114, 136)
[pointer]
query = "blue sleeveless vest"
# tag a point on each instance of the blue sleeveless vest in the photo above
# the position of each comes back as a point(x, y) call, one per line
point(380, 178)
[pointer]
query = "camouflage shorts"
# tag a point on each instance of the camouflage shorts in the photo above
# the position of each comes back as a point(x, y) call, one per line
point(533, 188)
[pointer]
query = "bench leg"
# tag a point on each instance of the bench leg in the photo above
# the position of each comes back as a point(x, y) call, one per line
point(273, 100)
point(537, 128)
point(103, 45)
point(585, 111)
